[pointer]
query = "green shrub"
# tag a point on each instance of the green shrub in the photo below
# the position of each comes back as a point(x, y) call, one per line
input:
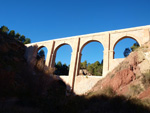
point(146, 79)
point(108, 91)
point(135, 90)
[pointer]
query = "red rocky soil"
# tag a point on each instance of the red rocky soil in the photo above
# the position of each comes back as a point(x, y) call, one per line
point(128, 73)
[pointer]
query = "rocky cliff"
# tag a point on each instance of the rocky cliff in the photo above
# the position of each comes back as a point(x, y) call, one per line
point(131, 77)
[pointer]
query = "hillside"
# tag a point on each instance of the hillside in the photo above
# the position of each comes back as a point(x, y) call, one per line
point(132, 77)
point(25, 89)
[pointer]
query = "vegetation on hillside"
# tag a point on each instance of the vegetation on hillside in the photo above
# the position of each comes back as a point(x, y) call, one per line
point(95, 68)
point(41, 54)
point(4, 32)
point(23, 88)
point(127, 51)
point(146, 79)
point(61, 69)
point(106, 101)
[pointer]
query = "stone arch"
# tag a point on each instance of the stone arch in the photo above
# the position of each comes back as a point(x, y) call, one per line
point(80, 51)
point(60, 45)
point(128, 36)
point(40, 47)
point(45, 52)
point(55, 51)
point(87, 42)
point(123, 37)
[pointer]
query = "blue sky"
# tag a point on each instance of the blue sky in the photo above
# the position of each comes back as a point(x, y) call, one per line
point(42, 20)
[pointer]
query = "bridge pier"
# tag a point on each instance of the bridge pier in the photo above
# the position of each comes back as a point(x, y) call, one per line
point(105, 62)
point(111, 57)
point(73, 63)
point(49, 54)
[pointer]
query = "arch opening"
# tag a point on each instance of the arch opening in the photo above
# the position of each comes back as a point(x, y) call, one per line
point(62, 60)
point(41, 57)
point(124, 46)
point(91, 59)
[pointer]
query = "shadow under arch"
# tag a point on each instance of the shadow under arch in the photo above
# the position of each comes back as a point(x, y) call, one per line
point(56, 50)
point(125, 37)
point(81, 49)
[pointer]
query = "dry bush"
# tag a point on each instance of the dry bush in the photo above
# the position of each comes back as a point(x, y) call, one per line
point(146, 79)
point(108, 91)
point(40, 66)
point(105, 104)
point(122, 65)
point(134, 90)
point(49, 70)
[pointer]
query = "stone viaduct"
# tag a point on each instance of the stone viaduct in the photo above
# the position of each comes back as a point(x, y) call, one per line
point(109, 39)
